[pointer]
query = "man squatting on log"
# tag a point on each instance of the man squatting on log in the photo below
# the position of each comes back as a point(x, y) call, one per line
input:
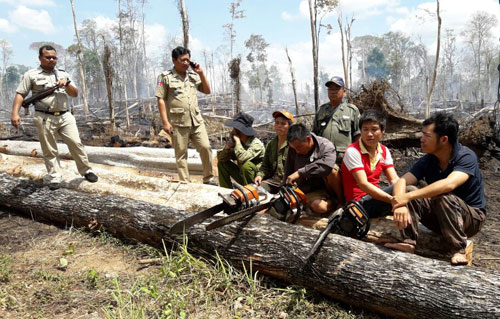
point(52, 116)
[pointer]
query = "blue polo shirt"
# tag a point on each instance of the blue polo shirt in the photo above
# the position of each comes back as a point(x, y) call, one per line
point(462, 159)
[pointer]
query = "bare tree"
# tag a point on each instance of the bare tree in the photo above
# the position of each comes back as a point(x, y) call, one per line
point(318, 8)
point(236, 13)
point(6, 52)
point(477, 33)
point(431, 87)
point(108, 75)
point(234, 68)
point(345, 40)
point(79, 54)
point(185, 22)
point(122, 64)
point(294, 88)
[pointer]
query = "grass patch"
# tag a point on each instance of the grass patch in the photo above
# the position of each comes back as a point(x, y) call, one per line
point(185, 286)
point(5, 268)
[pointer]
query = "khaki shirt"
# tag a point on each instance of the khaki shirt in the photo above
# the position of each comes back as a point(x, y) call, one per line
point(37, 80)
point(341, 128)
point(252, 150)
point(180, 97)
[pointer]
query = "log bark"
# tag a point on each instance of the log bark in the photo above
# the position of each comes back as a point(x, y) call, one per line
point(359, 273)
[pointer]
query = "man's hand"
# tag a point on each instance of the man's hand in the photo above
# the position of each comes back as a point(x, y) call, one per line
point(198, 69)
point(15, 120)
point(62, 83)
point(258, 180)
point(167, 127)
point(402, 217)
point(292, 178)
point(399, 201)
point(236, 139)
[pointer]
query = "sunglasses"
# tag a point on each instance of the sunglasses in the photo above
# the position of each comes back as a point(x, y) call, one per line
point(51, 58)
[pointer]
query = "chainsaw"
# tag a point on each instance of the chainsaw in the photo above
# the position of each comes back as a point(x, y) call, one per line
point(350, 220)
point(286, 206)
point(241, 197)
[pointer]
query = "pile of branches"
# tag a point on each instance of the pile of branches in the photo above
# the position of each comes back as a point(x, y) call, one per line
point(375, 96)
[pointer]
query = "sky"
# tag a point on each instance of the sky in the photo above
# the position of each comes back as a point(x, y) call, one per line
point(282, 23)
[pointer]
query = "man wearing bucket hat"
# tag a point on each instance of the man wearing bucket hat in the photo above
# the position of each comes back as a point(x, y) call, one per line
point(242, 156)
point(338, 122)
point(276, 150)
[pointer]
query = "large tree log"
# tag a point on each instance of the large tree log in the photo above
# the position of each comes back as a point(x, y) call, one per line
point(359, 273)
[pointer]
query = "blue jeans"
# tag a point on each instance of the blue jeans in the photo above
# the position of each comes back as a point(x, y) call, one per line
point(375, 208)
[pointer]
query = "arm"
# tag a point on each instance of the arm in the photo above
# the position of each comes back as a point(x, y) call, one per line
point(391, 174)
point(167, 127)
point(402, 217)
point(369, 188)
point(204, 86)
point(70, 89)
point(266, 167)
point(443, 186)
point(322, 166)
point(243, 155)
point(15, 119)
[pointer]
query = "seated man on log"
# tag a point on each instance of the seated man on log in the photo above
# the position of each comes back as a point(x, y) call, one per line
point(309, 162)
point(453, 202)
point(274, 161)
point(364, 161)
point(242, 156)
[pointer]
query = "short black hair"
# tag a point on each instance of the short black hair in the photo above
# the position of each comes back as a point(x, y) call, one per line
point(373, 116)
point(180, 51)
point(298, 132)
point(45, 47)
point(444, 125)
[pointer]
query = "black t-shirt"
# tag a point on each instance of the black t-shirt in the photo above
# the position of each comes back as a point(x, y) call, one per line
point(462, 159)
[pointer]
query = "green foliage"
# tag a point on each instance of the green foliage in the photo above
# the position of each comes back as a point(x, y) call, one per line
point(5, 268)
point(92, 278)
point(377, 66)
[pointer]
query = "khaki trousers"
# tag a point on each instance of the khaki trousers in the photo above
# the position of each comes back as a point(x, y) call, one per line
point(48, 127)
point(199, 137)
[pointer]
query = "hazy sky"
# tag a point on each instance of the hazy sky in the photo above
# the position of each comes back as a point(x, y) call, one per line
point(283, 23)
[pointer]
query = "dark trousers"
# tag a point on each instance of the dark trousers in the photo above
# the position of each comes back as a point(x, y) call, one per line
point(447, 215)
point(375, 208)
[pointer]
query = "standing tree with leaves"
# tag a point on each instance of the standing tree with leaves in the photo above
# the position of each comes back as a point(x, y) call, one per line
point(258, 75)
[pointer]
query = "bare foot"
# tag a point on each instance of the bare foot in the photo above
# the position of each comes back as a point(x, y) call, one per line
point(404, 247)
point(459, 259)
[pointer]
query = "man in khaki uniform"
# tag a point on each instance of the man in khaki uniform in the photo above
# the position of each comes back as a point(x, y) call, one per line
point(176, 91)
point(51, 115)
point(338, 122)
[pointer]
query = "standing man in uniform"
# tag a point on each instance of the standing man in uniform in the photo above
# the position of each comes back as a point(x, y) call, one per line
point(52, 116)
point(338, 122)
point(178, 105)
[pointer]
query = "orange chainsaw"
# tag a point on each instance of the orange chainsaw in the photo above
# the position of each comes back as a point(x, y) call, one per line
point(286, 206)
point(242, 197)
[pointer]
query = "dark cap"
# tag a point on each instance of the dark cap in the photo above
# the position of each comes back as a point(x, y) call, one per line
point(336, 80)
point(243, 123)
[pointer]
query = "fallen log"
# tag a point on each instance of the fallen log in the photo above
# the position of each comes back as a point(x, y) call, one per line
point(359, 273)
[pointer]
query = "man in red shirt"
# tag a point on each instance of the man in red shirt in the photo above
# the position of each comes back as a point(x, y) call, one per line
point(364, 161)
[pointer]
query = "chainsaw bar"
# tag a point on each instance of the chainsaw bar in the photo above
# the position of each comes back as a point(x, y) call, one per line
point(239, 215)
point(179, 227)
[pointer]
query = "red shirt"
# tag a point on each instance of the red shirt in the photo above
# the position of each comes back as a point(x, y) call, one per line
point(357, 158)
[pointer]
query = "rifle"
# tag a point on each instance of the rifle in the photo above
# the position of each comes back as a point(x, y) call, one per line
point(36, 97)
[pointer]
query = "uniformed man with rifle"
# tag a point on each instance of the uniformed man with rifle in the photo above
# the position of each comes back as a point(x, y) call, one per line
point(50, 88)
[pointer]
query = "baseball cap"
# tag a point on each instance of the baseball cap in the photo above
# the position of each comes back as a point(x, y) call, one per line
point(284, 113)
point(336, 80)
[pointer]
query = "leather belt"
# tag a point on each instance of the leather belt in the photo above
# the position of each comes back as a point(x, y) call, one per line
point(53, 113)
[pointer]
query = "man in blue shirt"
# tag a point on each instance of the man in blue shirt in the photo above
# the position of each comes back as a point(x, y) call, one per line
point(453, 202)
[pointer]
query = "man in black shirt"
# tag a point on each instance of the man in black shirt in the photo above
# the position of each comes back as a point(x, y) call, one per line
point(453, 202)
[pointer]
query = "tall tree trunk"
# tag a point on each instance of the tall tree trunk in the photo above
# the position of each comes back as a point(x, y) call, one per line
point(434, 74)
point(123, 71)
point(294, 87)
point(80, 62)
point(346, 78)
point(144, 56)
point(315, 51)
point(108, 75)
point(185, 22)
